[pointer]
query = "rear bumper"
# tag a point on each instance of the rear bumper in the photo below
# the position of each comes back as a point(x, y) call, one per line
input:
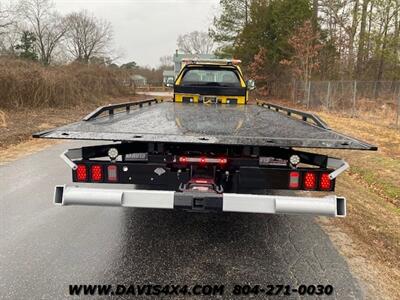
point(269, 204)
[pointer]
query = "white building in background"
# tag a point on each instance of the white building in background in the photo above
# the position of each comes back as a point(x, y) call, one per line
point(168, 76)
point(139, 80)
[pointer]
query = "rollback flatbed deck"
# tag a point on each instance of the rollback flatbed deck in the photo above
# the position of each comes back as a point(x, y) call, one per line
point(154, 121)
point(204, 157)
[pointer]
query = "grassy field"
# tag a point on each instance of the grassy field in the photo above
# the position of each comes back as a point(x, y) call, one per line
point(370, 235)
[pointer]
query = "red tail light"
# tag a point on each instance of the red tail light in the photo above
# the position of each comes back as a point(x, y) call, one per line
point(201, 181)
point(112, 173)
point(183, 159)
point(81, 173)
point(325, 182)
point(294, 180)
point(203, 160)
point(223, 161)
point(310, 181)
point(97, 173)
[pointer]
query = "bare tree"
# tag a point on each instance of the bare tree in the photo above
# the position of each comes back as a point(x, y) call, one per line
point(4, 24)
point(195, 42)
point(306, 48)
point(87, 36)
point(362, 37)
point(10, 26)
point(47, 25)
point(166, 61)
point(4, 19)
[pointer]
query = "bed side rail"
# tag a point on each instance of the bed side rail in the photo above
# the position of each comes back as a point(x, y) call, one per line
point(305, 116)
point(112, 107)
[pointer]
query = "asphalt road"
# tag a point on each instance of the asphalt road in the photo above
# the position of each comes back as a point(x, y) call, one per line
point(44, 248)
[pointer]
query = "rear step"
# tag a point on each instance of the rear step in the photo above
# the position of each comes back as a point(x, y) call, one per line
point(228, 202)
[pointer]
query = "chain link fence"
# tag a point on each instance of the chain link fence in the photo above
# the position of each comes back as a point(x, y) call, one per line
point(371, 100)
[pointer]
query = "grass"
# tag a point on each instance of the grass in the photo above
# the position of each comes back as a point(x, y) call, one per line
point(369, 237)
point(372, 189)
point(21, 123)
point(379, 183)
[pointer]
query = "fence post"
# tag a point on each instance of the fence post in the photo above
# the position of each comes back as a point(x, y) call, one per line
point(308, 94)
point(354, 98)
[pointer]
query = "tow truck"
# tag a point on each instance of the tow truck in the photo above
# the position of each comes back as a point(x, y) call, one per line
point(207, 150)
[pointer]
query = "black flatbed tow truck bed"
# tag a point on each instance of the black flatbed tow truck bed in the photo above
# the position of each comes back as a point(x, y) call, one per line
point(204, 157)
point(169, 122)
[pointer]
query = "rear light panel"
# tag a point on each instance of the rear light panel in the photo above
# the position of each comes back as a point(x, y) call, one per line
point(89, 172)
point(310, 180)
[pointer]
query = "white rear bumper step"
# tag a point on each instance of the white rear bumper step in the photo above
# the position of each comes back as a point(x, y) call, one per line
point(270, 204)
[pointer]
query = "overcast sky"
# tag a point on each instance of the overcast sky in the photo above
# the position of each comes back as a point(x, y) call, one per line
point(145, 30)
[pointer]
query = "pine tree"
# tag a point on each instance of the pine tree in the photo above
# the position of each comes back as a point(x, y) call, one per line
point(26, 47)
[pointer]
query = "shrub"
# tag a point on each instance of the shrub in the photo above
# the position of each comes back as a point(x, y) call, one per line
point(29, 84)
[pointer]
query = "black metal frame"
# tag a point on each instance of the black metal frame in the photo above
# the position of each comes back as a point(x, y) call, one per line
point(240, 178)
point(112, 107)
point(245, 154)
point(243, 171)
point(290, 111)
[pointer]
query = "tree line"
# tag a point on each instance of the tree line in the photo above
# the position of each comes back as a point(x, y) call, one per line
point(312, 39)
point(35, 30)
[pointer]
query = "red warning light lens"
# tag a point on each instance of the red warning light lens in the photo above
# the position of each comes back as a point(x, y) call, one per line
point(223, 161)
point(81, 173)
point(183, 159)
point(325, 182)
point(310, 181)
point(97, 173)
point(294, 180)
point(203, 160)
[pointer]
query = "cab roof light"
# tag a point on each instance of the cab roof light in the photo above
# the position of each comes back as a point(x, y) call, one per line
point(211, 61)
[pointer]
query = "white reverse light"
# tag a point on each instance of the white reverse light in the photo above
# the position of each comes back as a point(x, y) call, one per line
point(113, 153)
point(294, 160)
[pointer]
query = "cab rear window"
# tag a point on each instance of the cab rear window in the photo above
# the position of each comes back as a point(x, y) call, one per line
point(210, 77)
